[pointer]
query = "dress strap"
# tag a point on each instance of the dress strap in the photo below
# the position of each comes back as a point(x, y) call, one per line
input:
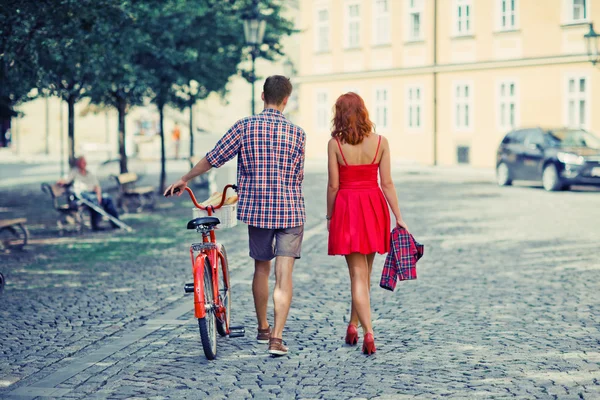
point(341, 152)
point(376, 151)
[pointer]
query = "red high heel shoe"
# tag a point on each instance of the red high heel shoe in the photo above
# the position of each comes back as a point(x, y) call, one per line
point(369, 344)
point(351, 335)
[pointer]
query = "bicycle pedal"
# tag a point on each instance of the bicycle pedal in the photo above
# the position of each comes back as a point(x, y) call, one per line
point(188, 288)
point(237, 331)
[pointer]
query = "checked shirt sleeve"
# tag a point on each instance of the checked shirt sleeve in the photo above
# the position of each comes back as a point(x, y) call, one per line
point(227, 147)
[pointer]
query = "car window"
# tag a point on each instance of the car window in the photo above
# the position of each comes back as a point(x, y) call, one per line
point(534, 137)
point(518, 136)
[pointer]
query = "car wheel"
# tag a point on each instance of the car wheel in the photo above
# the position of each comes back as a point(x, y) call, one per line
point(503, 175)
point(550, 178)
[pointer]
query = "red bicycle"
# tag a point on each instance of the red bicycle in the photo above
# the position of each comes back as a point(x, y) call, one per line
point(211, 286)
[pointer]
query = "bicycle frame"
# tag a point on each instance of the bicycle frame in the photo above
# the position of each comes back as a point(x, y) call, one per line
point(209, 250)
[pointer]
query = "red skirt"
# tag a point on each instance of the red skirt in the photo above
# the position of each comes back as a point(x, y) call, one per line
point(360, 222)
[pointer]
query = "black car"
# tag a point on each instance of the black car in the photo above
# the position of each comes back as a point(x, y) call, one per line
point(558, 158)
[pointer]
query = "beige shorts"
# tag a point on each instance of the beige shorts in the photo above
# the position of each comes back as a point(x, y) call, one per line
point(266, 244)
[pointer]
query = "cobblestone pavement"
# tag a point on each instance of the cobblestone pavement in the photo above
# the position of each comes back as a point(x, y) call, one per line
point(506, 305)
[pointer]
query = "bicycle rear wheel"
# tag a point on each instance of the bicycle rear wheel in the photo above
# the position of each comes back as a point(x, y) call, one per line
point(224, 293)
point(207, 325)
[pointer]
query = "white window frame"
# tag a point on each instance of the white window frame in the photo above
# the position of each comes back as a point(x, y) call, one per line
point(504, 22)
point(348, 20)
point(382, 107)
point(569, 12)
point(414, 7)
point(463, 6)
point(322, 110)
point(507, 102)
point(319, 25)
point(381, 24)
point(462, 107)
point(414, 108)
point(572, 108)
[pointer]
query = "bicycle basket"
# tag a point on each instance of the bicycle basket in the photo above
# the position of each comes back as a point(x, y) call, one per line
point(226, 214)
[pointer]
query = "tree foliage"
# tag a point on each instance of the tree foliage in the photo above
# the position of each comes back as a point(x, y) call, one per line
point(120, 52)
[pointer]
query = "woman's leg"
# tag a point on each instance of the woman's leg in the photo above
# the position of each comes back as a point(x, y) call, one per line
point(370, 259)
point(353, 314)
point(359, 280)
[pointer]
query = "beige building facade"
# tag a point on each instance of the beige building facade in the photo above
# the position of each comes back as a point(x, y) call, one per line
point(445, 80)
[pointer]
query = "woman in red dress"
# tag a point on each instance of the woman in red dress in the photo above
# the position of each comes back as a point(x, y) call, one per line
point(357, 207)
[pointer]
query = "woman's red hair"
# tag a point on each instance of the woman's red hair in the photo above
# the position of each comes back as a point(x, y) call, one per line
point(351, 122)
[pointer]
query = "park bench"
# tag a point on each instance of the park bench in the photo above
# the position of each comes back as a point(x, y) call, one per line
point(71, 214)
point(130, 197)
point(13, 233)
point(206, 180)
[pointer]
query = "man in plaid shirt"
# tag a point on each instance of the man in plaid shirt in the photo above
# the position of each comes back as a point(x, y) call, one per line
point(270, 152)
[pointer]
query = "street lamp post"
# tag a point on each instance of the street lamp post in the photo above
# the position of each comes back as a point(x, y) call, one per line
point(593, 50)
point(194, 85)
point(254, 31)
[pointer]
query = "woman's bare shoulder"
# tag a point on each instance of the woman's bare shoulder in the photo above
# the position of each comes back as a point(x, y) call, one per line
point(384, 141)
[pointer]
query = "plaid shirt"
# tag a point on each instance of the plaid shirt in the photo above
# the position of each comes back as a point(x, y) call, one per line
point(270, 152)
point(401, 261)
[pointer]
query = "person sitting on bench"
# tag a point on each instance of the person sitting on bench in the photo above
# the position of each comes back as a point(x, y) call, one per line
point(86, 185)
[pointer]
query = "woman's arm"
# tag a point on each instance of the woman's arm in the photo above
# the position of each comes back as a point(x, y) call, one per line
point(333, 182)
point(387, 184)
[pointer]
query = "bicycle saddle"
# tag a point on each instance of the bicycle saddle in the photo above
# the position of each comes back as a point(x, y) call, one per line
point(209, 222)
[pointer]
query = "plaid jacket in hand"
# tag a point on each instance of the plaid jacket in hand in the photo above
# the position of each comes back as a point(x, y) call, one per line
point(401, 261)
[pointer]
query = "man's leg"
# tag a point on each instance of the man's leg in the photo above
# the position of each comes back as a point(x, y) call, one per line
point(261, 250)
point(288, 245)
point(95, 217)
point(109, 206)
point(260, 291)
point(282, 295)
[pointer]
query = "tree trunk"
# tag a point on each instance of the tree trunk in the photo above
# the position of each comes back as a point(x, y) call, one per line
point(163, 158)
point(191, 129)
point(122, 149)
point(71, 129)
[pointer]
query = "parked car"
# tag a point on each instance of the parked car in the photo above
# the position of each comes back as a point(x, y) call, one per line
point(558, 158)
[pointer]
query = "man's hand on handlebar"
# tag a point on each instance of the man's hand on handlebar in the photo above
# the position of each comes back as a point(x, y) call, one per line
point(176, 188)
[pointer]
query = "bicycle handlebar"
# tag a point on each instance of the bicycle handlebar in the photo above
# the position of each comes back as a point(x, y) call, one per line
point(198, 205)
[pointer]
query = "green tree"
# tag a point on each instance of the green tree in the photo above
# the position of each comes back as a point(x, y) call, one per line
point(22, 22)
point(72, 51)
point(197, 46)
point(119, 81)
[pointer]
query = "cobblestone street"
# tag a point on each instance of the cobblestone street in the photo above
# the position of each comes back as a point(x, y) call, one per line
point(506, 305)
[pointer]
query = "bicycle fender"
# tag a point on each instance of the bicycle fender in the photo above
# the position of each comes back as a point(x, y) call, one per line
point(198, 272)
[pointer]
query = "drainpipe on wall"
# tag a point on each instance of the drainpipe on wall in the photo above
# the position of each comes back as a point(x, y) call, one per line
point(435, 111)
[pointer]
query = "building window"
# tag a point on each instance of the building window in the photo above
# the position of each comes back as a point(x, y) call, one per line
point(577, 102)
point(352, 25)
point(381, 22)
point(414, 107)
point(507, 105)
point(463, 106)
point(463, 24)
point(415, 20)
point(577, 10)
point(507, 15)
point(462, 155)
point(322, 113)
point(322, 30)
point(382, 115)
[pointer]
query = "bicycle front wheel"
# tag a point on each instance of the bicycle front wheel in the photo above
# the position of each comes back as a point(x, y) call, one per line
point(207, 325)
point(224, 293)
